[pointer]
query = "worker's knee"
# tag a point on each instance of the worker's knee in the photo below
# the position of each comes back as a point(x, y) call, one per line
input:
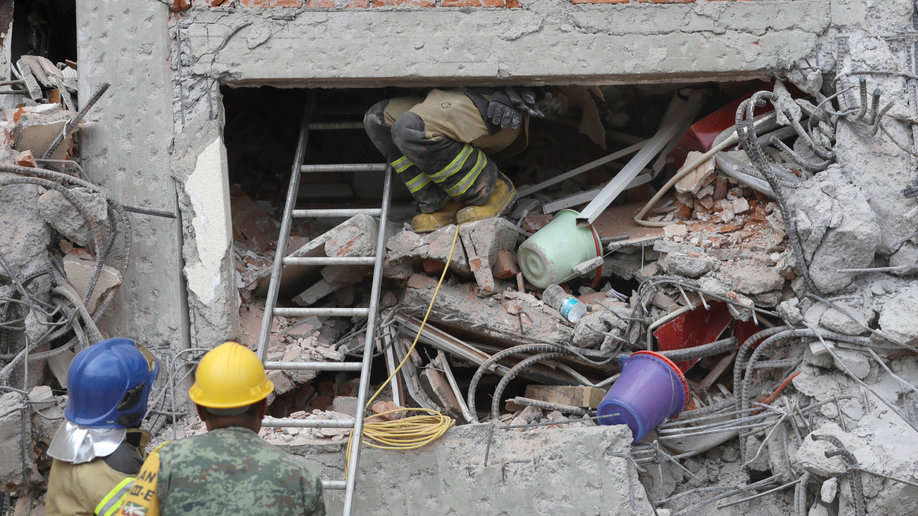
point(408, 131)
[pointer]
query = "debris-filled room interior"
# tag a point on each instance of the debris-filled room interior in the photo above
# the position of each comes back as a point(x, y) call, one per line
point(564, 257)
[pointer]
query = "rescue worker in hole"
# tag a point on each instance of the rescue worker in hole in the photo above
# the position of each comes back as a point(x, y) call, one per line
point(100, 447)
point(443, 147)
point(229, 471)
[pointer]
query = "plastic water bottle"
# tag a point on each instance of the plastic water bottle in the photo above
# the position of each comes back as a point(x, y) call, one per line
point(570, 307)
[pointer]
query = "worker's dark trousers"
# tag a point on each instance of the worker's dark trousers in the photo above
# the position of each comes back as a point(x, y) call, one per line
point(439, 146)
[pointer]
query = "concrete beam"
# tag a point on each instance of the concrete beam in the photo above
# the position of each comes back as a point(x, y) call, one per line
point(479, 469)
point(556, 43)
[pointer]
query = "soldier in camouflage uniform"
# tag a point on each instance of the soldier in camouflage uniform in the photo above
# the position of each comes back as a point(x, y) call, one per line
point(228, 471)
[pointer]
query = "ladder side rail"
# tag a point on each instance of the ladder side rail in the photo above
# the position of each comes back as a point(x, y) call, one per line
point(287, 220)
point(368, 346)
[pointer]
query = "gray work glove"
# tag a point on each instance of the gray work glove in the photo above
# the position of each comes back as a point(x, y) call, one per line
point(506, 107)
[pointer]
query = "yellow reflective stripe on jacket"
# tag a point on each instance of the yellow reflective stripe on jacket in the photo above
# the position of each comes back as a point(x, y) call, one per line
point(401, 164)
point(462, 186)
point(417, 182)
point(114, 498)
point(454, 166)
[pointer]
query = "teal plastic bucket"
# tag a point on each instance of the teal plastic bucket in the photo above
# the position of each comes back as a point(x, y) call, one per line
point(550, 254)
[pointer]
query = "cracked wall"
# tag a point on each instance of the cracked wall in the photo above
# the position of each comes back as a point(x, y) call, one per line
point(147, 51)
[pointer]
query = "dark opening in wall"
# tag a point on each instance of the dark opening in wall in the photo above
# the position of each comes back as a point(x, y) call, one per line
point(45, 28)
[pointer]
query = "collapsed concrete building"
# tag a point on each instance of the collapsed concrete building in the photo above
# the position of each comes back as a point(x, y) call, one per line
point(778, 274)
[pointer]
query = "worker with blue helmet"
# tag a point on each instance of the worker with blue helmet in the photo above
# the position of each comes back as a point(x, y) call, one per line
point(100, 447)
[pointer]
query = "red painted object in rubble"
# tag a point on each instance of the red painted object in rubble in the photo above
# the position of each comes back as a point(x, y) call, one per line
point(692, 329)
point(700, 137)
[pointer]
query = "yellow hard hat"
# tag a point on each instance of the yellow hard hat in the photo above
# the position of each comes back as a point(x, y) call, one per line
point(230, 376)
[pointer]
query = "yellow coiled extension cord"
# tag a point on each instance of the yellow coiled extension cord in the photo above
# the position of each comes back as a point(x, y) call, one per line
point(411, 432)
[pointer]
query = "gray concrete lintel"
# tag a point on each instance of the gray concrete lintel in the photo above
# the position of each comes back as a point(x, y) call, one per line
point(557, 44)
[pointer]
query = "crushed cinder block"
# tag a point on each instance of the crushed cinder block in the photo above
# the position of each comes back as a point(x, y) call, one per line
point(79, 272)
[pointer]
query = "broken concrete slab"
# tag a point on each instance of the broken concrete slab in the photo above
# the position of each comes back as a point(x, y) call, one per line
point(462, 308)
point(79, 272)
point(684, 265)
point(897, 317)
point(407, 249)
point(838, 228)
point(63, 216)
point(353, 237)
point(521, 475)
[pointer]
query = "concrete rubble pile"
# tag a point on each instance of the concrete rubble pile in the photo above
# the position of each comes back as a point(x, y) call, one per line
point(65, 247)
point(779, 279)
point(776, 282)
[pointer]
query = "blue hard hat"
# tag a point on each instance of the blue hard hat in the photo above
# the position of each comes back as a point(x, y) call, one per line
point(109, 383)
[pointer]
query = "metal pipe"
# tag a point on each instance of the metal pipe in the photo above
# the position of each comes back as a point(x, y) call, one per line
point(515, 370)
point(544, 405)
point(714, 348)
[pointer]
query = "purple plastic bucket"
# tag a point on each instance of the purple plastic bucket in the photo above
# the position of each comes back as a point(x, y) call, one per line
point(650, 389)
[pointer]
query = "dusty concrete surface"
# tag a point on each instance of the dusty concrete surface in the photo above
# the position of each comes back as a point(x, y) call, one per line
point(574, 471)
point(129, 155)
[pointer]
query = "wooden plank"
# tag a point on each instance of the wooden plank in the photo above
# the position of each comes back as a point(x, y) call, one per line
point(438, 388)
point(576, 396)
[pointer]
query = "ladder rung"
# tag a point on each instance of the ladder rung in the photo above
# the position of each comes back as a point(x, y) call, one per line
point(314, 366)
point(334, 484)
point(373, 212)
point(281, 422)
point(326, 126)
point(330, 260)
point(329, 312)
point(355, 167)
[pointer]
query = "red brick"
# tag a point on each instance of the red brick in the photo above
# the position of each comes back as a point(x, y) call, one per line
point(513, 4)
point(330, 4)
point(321, 402)
point(179, 5)
point(385, 406)
point(599, 1)
point(404, 3)
point(210, 3)
point(26, 159)
point(271, 3)
point(472, 3)
point(505, 265)
point(433, 266)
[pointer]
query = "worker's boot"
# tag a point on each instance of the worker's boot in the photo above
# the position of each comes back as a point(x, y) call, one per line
point(427, 222)
point(501, 198)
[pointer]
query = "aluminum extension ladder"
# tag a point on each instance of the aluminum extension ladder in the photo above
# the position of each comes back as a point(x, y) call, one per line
point(271, 309)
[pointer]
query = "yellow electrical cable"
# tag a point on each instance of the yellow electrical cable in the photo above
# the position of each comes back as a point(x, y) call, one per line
point(411, 432)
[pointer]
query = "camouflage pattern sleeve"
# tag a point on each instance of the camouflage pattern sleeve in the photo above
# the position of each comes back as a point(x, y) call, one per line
point(314, 498)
